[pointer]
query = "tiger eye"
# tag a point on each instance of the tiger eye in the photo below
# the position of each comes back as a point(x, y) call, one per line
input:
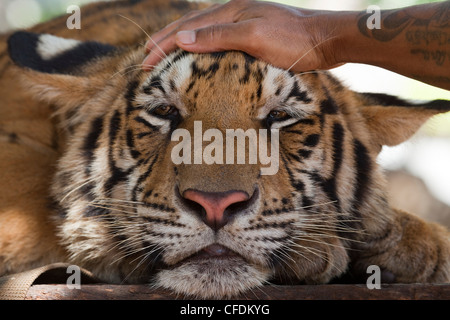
point(277, 114)
point(164, 110)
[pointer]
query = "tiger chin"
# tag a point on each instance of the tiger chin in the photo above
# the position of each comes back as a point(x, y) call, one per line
point(124, 210)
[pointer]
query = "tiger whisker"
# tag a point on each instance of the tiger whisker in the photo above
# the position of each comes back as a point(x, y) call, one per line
point(335, 226)
point(319, 253)
point(296, 244)
point(129, 253)
point(307, 52)
point(308, 239)
point(253, 292)
point(118, 200)
point(116, 205)
point(156, 248)
point(148, 36)
point(280, 253)
point(313, 72)
point(145, 256)
point(128, 69)
point(128, 242)
point(314, 226)
point(333, 237)
point(77, 188)
point(290, 242)
point(110, 208)
point(132, 248)
point(315, 251)
point(319, 204)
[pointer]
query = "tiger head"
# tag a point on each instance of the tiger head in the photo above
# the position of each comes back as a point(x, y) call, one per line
point(213, 173)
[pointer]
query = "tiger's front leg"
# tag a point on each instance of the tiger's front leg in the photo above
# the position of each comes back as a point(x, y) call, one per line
point(413, 250)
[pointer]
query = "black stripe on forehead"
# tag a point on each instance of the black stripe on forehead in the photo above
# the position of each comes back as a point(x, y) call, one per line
point(298, 94)
point(249, 60)
point(197, 72)
point(181, 54)
point(155, 83)
point(208, 73)
point(168, 63)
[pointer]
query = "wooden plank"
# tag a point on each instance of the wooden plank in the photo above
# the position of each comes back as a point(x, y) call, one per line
point(304, 292)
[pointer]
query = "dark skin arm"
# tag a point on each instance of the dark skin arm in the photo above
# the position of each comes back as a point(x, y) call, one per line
point(412, 41)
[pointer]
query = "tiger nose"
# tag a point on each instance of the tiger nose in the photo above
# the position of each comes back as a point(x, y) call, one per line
point(214, 205)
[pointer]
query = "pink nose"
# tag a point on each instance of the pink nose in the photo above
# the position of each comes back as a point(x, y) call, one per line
point(214, 205)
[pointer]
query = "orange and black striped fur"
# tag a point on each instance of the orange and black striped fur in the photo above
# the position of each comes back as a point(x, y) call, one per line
point(88, 178)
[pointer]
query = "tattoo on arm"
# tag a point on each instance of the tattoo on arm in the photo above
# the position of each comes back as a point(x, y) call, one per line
point(395, 22)
point(427, 37)
point(391, 26)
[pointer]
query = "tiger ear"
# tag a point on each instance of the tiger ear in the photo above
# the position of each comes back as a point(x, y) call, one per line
point(391, 120)
point(55, 67)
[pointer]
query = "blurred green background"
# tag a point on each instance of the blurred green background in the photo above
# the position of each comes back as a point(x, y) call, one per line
point(428, 159)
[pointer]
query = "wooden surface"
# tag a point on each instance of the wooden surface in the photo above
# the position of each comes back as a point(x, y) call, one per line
point(304, 292)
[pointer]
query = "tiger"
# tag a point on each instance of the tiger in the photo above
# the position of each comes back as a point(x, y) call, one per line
point(88, 175)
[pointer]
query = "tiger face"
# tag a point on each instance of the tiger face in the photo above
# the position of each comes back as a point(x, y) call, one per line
point(211, 227)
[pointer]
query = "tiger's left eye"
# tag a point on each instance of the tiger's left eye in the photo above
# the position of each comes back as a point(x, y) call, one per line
point(275, 115)
point(165, 111)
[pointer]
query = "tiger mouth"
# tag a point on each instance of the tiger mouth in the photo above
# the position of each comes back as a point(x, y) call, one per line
point(215, 271)
point(213, 252)
point(216, 251)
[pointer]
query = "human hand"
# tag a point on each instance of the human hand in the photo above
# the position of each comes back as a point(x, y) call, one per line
point(284, 36)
